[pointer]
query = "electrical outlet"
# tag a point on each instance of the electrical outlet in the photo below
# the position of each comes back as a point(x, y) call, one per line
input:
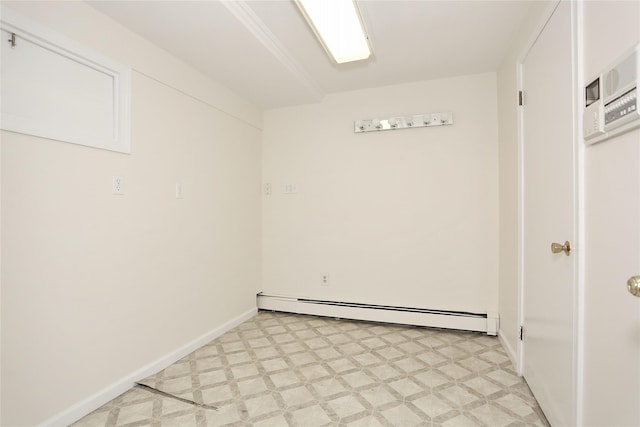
point(267, 189)
point(117, 185)
point(179, 192)
point(324, 279)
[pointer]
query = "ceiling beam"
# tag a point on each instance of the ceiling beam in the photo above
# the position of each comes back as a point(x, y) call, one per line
point(247, 17)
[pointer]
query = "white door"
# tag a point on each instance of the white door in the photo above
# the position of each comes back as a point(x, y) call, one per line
point(549, 216)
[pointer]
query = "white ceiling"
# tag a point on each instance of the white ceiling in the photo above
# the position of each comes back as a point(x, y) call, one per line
point(264, 50)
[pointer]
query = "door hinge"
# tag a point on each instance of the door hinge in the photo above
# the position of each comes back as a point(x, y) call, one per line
point(520, 97)
point(521, 333)
point(12, 40)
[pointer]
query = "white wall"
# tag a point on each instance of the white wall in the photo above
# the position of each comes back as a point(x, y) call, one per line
point(97, 286)
point(406, 217)
point(612, 209)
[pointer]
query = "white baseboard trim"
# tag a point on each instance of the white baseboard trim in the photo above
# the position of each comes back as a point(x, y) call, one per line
point(90, 404)
point(510, 352)
point(479, 322)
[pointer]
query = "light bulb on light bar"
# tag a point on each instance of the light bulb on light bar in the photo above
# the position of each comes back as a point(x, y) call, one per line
point(338, 25)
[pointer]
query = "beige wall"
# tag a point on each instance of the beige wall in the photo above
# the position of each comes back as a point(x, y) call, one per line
point(508, 173)
point(96, 286)
point(407, 217)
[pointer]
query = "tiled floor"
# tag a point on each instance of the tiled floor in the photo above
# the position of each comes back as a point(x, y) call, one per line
point(292, 370)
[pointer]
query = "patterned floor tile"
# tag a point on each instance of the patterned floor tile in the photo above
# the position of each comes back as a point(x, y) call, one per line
point(297, 396)
point(329, 388)
point(401, 415)
point(378, 396)
point(491, 415)
point(311, 416)
point(141, 407)
point(406, 387)
point(346, 406)
point(285, 370)
point(432, 406)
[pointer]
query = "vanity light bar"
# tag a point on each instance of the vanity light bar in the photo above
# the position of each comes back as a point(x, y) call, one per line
point(404, 122)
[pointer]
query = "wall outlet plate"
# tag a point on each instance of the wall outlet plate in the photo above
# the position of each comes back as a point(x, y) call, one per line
point(324, 279)
point(117, 185)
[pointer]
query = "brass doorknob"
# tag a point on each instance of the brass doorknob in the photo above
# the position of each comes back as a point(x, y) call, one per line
point(556, 248)
point(633, 286)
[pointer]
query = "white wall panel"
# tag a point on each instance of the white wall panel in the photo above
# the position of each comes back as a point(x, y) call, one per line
point(406, 217)
point(55, 88)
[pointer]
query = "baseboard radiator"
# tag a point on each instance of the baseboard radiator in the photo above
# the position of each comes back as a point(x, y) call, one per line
point(479, 322)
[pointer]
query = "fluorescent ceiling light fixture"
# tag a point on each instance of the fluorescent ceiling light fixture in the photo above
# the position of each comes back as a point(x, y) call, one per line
point(339, 27)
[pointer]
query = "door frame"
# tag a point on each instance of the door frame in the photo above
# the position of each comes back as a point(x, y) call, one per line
point(578, 193)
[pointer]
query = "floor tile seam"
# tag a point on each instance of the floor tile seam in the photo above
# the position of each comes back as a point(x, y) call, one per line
point(511, 412)
point(348, 419)
point(461, 382)
point(448, 400)
point(449, 415)
point(522, 401)
point(471, 406)
point(363, 401)
point(289, 413)
point(382, 419)
point(388, 387)
point(329, 411)
point(112, 417)
point(471, 413)
point(135, 424)
point(417, 411)
point(465, 414)
point(309, 404)
point(494, 381)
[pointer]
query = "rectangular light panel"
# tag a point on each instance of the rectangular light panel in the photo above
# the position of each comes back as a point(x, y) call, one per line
point(338, 25)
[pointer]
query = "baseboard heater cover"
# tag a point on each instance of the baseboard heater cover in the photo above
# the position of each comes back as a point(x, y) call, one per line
point(478, 322)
